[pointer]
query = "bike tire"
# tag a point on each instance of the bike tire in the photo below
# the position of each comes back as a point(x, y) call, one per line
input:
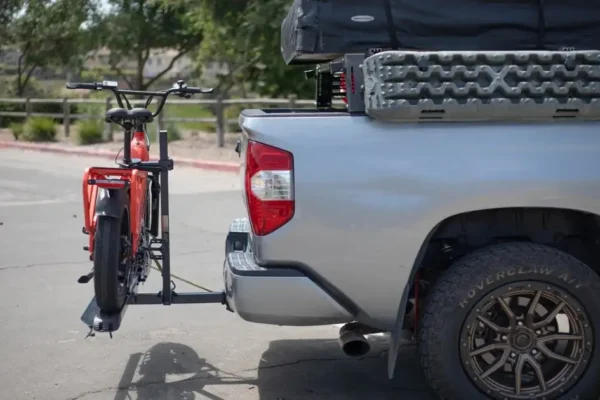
point(109, 288)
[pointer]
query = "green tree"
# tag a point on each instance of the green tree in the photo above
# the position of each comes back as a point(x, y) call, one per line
point(244, 35)
point(47, 33)
point(271, 76)
point(8, 13)
point(134, 28)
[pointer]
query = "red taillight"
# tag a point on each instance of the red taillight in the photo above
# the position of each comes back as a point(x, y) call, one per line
point(343, 87)
point(269, 187)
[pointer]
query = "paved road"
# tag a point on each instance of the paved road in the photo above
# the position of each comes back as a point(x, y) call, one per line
point(178, 352)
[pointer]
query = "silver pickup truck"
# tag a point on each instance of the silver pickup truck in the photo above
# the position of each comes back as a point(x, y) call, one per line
point(459, 209)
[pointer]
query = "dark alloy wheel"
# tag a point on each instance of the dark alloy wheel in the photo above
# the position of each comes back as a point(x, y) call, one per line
point(526, 340)
point(513, 321)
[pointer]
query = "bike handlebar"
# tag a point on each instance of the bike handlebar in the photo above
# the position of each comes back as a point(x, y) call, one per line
point(90, 86)
point(180, 90)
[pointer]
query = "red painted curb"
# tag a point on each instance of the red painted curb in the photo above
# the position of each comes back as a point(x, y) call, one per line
point(190, 162)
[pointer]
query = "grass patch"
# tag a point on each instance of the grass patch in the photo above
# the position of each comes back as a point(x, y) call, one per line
point(173, 133)
point(199, 111)
point(190, 111)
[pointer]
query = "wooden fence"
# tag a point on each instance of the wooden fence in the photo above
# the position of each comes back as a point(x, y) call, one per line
point(216, 106)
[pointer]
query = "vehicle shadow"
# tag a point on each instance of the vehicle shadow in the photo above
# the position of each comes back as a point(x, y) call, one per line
point(288, 370)
point(317, 369)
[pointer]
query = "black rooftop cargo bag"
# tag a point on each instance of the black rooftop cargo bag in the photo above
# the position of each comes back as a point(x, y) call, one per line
point(316, 31)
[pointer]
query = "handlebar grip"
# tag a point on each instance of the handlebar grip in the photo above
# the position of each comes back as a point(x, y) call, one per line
point(197, 90)
point(76, 85)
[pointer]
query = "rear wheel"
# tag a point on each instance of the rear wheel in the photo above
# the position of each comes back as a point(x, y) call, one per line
point(112, 261)
point(513, 321)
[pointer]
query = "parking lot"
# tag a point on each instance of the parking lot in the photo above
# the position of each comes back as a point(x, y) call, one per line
point(177, 352)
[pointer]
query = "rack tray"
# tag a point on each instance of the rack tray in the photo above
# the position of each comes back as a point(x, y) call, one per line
point(479, 85)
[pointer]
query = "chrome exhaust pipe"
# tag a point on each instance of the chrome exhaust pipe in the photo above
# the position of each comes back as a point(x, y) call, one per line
point(354, 344)
point(353, 341)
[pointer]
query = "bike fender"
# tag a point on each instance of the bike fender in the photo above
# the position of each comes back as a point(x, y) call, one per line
point(111, 202)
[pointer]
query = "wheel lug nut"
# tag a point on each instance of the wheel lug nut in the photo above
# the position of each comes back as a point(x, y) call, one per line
point(513, 355)
point(520, 323)
point(503, 337)
point(534, 351)
point(538, 332)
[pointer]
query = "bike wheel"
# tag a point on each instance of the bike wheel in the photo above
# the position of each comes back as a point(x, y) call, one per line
point(111, 262)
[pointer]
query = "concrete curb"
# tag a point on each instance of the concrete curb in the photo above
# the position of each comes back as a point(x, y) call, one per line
point(73, 151)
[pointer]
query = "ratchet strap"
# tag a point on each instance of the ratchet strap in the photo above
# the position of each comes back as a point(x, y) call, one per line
point(159, 268)
point(390, 25)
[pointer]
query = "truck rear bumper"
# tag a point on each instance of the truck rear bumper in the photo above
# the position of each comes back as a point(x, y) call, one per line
point(277, 296)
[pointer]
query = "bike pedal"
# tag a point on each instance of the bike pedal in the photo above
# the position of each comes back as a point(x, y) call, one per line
point(85, 278)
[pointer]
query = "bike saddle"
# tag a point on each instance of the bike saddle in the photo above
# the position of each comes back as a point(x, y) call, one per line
point(136, 115)
point(117, 115)
point(141, 115)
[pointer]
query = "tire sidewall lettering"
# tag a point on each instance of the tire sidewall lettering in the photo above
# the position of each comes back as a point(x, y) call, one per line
point(490, 282)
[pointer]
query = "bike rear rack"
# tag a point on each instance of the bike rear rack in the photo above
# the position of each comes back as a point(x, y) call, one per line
point(99, 321)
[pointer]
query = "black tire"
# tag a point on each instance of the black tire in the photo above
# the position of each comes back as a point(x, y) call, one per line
point(468, 291)
point(110, 288)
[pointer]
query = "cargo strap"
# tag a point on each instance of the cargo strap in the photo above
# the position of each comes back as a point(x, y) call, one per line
point(390, 25)
point(541, 33)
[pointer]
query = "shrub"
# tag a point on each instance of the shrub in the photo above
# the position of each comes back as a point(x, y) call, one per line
point(10, 107)
point(38, 129)
point(90, 131)
point(16, 129)
point(173, 133)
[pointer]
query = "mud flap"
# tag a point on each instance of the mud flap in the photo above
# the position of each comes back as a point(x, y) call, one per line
point(398, 335)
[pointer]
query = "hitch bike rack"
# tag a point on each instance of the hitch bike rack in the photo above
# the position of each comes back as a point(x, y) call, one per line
point(99, 321)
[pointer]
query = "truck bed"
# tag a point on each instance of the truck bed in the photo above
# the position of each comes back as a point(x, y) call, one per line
point(369, 193)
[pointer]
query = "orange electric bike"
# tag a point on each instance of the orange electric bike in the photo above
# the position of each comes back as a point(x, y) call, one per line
point(121, 214)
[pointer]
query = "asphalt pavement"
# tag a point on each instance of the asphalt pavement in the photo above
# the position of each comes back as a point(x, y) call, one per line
point(177, 352)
